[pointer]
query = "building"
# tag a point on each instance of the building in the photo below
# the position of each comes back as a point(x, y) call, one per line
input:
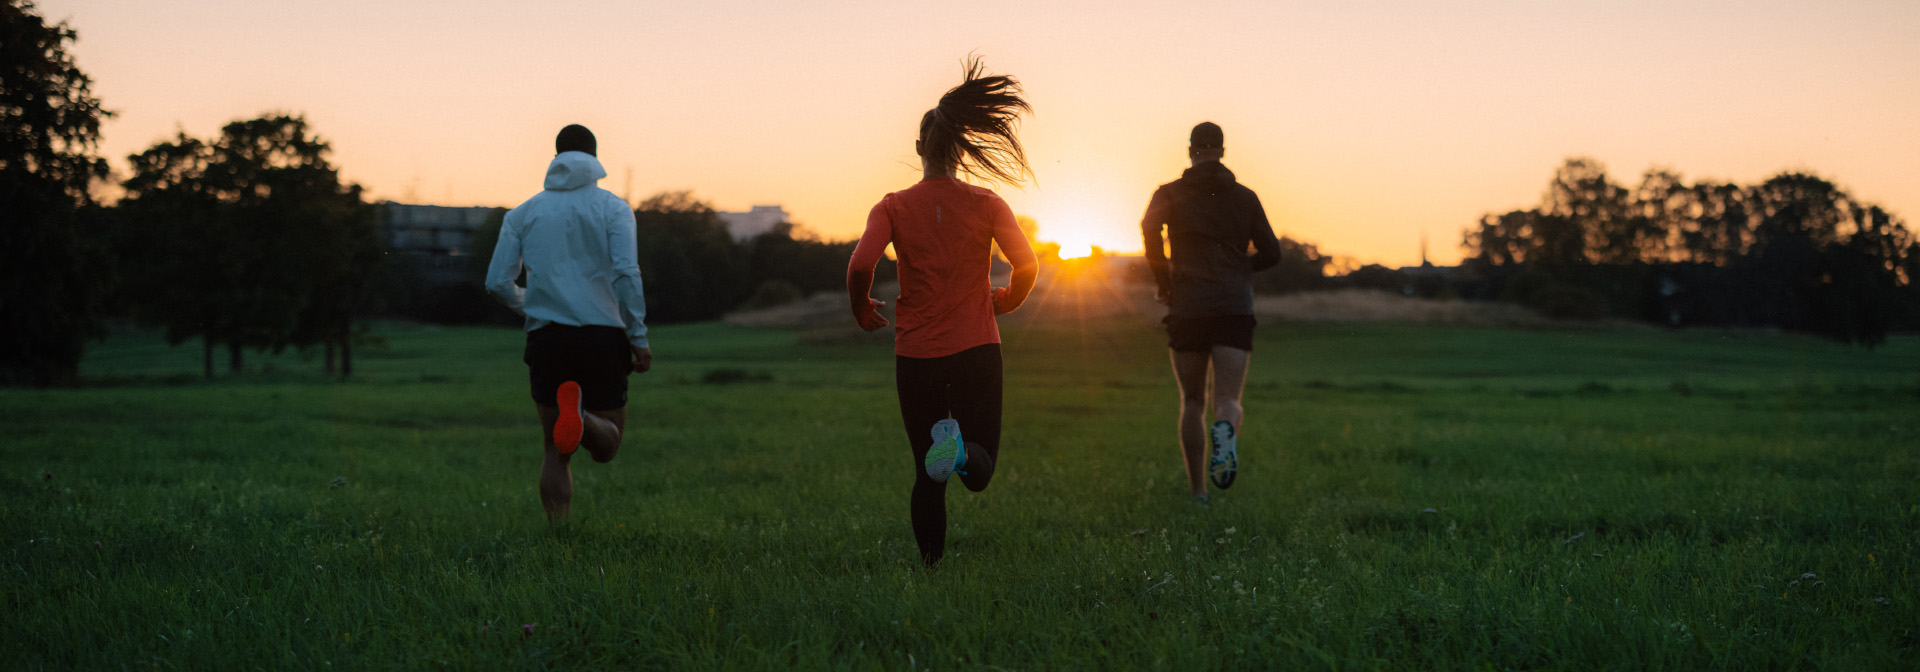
point(430, 229)
point(760, 219)
point(435, 240)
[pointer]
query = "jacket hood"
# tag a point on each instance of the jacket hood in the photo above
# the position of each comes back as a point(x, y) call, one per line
point(573, 170)
point(1211, 172)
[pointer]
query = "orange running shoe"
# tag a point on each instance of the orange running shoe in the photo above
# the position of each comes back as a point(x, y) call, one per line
point(566, 431)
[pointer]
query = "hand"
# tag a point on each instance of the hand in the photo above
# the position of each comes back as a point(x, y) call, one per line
point(642, 358)
point(871, 319)
point(999, 297)
point(1160, 294)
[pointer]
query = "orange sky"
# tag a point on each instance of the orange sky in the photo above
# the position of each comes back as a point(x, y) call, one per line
point(1362, 124)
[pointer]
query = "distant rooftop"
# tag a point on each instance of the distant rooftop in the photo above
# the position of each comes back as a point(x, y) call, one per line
point(760, 219)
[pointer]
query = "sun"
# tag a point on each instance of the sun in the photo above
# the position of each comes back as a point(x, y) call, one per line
point(1075, 250)
point(1075, 236)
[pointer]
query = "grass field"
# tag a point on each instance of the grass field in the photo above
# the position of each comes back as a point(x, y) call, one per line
point(1411, 497)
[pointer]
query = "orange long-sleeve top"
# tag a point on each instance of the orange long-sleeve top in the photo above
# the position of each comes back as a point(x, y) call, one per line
point(942, 231)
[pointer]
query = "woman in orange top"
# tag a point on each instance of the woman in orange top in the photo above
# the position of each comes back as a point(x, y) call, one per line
point(947, 345)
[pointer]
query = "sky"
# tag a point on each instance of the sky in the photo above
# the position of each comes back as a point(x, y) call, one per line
point(1364, 125)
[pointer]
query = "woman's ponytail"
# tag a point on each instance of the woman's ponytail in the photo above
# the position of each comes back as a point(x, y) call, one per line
point(974, 128)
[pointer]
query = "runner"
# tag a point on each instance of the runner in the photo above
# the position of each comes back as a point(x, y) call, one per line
point(586, 315)
point(1207, 285)
point(947, 345)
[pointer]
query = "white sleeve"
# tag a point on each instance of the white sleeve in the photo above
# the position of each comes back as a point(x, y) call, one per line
point(505, 267)
point(626, 279)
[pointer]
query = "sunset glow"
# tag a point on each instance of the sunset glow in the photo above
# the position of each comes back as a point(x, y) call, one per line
point(1363, 126)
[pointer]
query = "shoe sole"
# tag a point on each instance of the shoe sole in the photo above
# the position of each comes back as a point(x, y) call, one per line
point(948, 453)
point(1226, 462)
point(567, 431)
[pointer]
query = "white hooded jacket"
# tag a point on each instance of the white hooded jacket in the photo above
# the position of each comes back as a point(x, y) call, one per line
point(576, 242)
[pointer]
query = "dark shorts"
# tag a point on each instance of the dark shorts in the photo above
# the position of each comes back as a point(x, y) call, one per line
point(1200, 334)
point(595, 357)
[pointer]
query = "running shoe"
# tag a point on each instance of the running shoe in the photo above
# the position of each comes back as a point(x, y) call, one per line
point(567, 430)
point(948, 454)
point(1226, 457)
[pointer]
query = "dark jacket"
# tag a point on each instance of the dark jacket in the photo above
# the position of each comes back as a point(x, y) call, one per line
point(1210, 221)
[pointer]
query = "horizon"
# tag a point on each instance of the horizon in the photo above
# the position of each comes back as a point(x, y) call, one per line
point(1364, 128)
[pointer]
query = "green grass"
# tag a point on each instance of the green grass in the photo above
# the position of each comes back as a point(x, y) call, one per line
point(1406, 501)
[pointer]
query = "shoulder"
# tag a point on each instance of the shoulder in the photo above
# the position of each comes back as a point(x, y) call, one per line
point(521, 212)
point(992, 202)
point(606, 199)
point(887, 202)
point(1171, 193)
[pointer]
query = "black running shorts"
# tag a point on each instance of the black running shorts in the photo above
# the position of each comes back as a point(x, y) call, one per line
point(1200, 334)
point(596, 357)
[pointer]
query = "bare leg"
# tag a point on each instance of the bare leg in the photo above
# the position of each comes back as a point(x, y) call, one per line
point(1229, 380)
point(601, 438)
point(1190, 369)
point(556, 478)
point(603, 432)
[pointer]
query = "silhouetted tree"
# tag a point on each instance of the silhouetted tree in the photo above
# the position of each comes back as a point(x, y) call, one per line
point(1715, 228)
point(689, 264)
point(1301, 268)
point(793, 258)
point(250, 240)
point(53, 279)
point(1795, 252)
point(1501, 240)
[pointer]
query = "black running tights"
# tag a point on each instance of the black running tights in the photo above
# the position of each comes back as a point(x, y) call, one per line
point(966, 387)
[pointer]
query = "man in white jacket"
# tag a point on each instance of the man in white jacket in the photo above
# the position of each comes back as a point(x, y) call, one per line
point(586, 313)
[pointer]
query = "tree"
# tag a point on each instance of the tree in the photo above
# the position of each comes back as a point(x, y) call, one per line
point(53, 280)
point(1658, 210)
point(1501, 240)
point(1794, 252)
point(1301, 268)
point(1584, 217)
point(691, 267)
point(1714, 229)
point(249, 240)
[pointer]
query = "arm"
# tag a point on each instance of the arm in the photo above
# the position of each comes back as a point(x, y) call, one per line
point(505, 267)
point(866, 254)
point(627, 287)
point(1266, 247)
point(1013, 243)
point(1155, 247)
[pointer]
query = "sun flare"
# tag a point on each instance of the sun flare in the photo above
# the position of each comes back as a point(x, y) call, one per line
point(1075, 250)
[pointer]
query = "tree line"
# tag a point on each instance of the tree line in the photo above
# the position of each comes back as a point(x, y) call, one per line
point(1794, 252)
point(249, 240)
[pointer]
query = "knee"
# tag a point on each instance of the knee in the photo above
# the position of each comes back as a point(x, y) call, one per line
point(1193, 403)
point(606, 456)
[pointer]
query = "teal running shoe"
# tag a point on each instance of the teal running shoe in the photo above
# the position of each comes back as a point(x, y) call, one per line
point(1226, 456)
point(948, 454)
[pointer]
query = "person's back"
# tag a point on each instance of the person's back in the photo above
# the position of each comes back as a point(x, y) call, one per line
point(1207, 283)
point(947, 365)
point(942, 234)
point(585, 308)
point(566, 234)
point(1211, 219)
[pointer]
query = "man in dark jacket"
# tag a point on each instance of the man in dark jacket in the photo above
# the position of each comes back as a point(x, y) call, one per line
point(1211, 221)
